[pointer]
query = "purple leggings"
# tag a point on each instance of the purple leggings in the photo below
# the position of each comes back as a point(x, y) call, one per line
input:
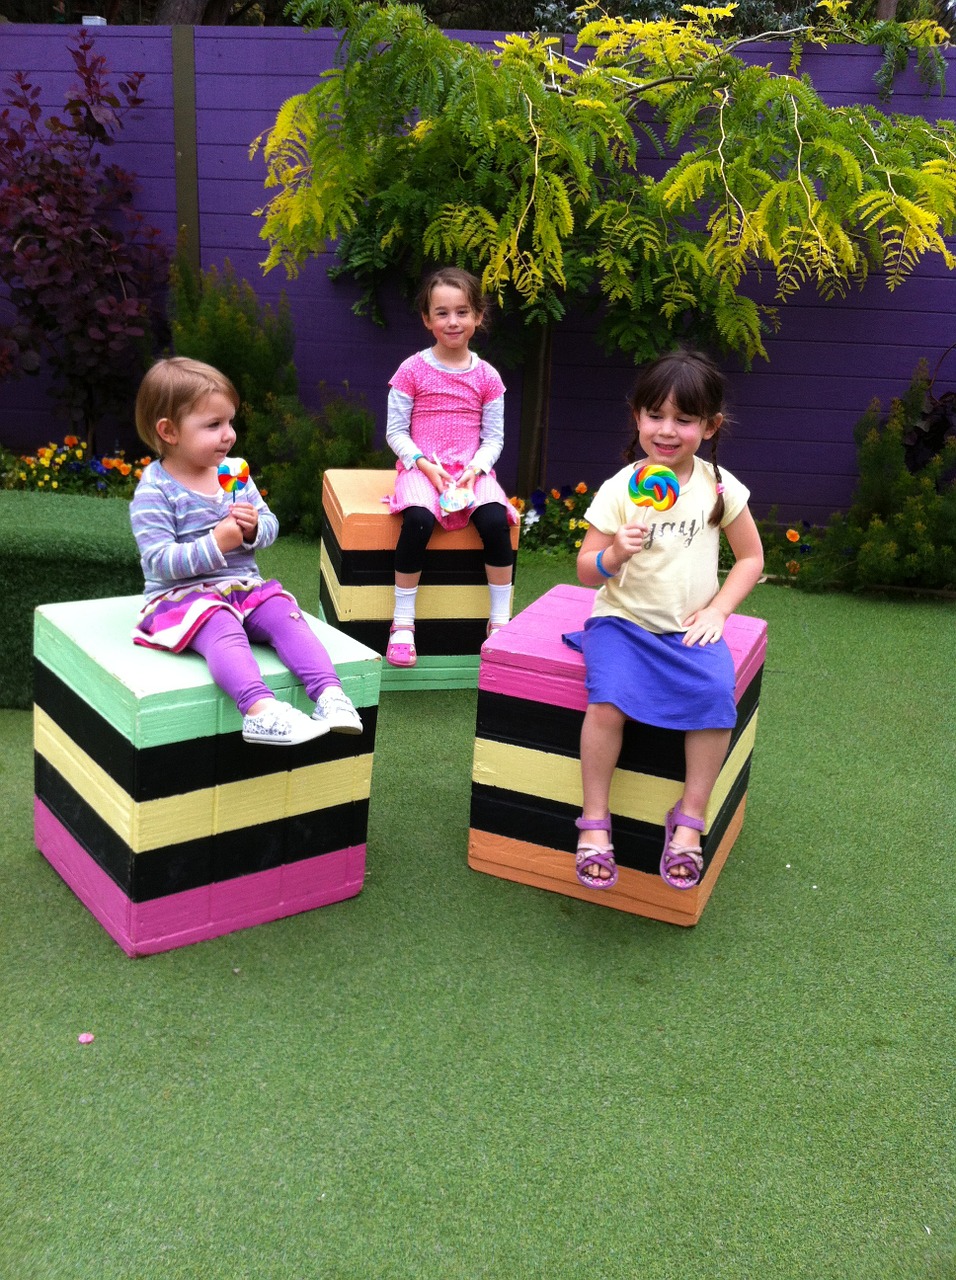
point(224, 642)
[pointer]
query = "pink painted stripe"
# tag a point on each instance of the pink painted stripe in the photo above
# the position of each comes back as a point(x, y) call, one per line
point(144, 928)
point(528, 659)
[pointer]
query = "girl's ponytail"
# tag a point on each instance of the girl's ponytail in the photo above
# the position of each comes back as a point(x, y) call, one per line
point(718, 512)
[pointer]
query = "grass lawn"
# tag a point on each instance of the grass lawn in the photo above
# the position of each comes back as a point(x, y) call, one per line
point(453, 1077)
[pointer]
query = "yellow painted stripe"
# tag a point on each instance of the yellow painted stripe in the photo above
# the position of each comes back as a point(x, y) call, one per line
point(377, 603)
point(153, 824)
point(641, 796)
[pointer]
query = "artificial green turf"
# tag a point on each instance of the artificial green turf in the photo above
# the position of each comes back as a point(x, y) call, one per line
point(452, 1076)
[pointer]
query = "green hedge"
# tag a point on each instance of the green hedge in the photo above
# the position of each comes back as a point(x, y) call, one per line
point(56, 547)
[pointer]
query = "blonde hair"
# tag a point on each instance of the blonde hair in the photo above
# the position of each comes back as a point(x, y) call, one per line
point(170, 389)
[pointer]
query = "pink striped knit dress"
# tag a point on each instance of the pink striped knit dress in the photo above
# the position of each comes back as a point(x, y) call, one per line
point(446, 424)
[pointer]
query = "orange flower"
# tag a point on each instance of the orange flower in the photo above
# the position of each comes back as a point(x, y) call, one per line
point(555, 493)
point(517, 503)
point(124, 468)
point(793, 566)
point(581, 488)
point(70, 441)
point(792, 535)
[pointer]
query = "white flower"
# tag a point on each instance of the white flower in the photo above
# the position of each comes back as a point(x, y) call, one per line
point(531, 517)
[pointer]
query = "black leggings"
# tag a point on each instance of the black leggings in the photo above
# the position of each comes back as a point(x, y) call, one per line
point(490, 519)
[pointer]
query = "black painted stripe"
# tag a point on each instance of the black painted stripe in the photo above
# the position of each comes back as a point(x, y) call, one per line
point(541, 726)
point(377, 568)
point(191, 864)
point(154, 773)
point(518, 816)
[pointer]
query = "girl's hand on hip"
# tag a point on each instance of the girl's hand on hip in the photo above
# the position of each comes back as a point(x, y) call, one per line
point(706, 626)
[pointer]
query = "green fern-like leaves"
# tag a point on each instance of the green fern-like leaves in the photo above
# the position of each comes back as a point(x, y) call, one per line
point(530, 169)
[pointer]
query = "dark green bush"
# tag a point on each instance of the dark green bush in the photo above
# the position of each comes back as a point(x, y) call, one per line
point(218, 318)
point(300, 447)
point(900, 530)
point(54, 549)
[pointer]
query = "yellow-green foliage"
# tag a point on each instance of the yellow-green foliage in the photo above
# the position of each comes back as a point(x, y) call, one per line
point(529, 168)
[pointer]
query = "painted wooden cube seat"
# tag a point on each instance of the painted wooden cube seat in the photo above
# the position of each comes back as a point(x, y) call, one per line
point(357, 588)
point(526, 782)
point(164, 822)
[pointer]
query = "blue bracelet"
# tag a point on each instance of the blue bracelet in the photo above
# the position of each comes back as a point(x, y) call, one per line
point(599, 564)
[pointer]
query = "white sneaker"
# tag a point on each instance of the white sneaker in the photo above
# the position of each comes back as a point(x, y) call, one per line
point(281, 725)
point(335, 711)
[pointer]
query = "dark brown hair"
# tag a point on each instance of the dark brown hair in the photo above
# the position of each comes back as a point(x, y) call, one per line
point(696, 385)
point(454, 278)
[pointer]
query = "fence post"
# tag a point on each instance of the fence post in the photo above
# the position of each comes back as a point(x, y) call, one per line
point(184, 138)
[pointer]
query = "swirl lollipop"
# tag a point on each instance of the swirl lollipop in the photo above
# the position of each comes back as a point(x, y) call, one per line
point(653, 486)
point(233, 475)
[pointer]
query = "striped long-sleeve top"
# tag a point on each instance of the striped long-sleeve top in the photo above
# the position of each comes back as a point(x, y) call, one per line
point(173, 528)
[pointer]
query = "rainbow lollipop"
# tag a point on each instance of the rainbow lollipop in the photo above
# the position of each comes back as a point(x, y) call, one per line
point(233, 475)
point(653, 486)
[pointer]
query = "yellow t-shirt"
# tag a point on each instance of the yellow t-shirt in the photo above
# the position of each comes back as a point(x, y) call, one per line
point(676, 572)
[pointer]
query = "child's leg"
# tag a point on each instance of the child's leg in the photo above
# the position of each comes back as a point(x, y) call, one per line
point(601, 736)
point(705, 751)
point(222, 641)
point(279, 623)
point(682, 862)
point(491, 521)
point(417, 526)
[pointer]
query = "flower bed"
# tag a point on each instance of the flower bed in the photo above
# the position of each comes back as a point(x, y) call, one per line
point(71, 468)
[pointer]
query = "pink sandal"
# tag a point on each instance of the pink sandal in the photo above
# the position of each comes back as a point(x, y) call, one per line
point(401, 655)
point(681, 857)
point(595, 855)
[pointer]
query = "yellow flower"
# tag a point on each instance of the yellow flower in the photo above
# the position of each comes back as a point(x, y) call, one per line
point(792, 535)
point(578, 543)
point(55, 484)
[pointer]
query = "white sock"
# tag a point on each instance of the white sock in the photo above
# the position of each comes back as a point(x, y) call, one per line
point(500, 603)
point(404, 616)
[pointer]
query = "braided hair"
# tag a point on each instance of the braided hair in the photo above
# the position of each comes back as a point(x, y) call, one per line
point(695, 384)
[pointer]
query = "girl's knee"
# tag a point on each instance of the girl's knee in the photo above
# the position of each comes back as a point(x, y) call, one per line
point(604, 715)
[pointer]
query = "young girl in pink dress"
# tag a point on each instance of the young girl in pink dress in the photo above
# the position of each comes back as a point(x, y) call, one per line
point(446, 428)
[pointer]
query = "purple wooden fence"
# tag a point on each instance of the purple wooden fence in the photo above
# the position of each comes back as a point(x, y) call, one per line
point(792, 436)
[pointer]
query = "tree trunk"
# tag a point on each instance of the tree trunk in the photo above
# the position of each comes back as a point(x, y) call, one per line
point(535, 409)
point(176, 13)
point(886, 10)
point(192, 13)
